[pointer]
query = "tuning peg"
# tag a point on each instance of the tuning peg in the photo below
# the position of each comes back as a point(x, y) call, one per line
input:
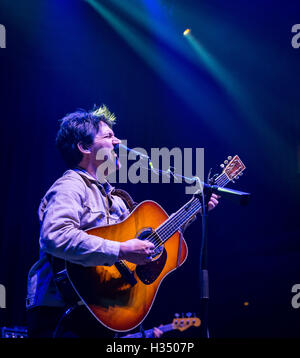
point(226, 161)
point(237, 177)
point(222, 165)
point(176, 315)
point(230, 157)
point(189, 314)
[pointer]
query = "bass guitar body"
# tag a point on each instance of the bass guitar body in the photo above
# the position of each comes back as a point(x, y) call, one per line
point(120, 296)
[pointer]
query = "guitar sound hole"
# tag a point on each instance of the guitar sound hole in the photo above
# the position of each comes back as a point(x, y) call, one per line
point(144, 235)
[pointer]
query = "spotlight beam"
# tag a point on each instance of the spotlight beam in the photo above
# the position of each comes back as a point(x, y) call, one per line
point(172, 73)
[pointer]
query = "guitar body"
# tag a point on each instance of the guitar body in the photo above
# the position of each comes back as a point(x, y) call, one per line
point(111, 298)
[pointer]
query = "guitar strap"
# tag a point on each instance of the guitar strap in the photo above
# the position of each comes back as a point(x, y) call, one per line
point(126, 198)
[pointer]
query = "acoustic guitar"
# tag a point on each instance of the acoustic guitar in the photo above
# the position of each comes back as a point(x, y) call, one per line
point(120, 296)
point(178, 323)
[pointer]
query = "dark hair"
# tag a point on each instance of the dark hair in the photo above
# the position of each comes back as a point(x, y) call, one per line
point(80, 127)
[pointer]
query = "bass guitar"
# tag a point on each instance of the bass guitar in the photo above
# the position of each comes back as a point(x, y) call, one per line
point(120, 296)
point(178, 323)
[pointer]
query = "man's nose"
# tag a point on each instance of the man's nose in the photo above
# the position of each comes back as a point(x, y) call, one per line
point(116, 141)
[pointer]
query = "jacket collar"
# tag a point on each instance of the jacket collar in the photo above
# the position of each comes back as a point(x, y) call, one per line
point(106, 185)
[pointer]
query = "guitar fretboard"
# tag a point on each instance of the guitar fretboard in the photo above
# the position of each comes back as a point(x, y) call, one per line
point(168, 228)
point(173, 224)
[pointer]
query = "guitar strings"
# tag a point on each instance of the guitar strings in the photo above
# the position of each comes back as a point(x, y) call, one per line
point(170, 227)
point(223, 181)
point(171, 220)
point(181, 219)
point(177, 218)
point(220, 181)
point(164, 229)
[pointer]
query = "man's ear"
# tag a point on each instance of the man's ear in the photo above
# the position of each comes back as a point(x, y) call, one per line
point(84, 149)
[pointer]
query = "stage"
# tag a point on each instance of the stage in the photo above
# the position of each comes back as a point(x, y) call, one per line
point(197, 82)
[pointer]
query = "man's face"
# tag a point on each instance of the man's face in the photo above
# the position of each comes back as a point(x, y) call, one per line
point(102, 150)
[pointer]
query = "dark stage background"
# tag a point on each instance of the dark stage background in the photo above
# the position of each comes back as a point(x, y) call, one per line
point(236, 93)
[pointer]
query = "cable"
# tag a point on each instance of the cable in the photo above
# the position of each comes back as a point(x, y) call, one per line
point(65, 314)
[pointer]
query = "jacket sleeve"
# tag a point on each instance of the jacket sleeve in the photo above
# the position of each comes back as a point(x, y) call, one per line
point(60, 233)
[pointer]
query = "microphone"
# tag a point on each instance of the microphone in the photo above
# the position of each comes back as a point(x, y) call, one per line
point(122, 146)
point(240, 196)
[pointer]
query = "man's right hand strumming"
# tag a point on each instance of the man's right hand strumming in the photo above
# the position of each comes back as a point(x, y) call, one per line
point(136, 251)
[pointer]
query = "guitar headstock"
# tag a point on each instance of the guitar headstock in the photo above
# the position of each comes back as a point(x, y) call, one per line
point(233, 167)
point(184, 323)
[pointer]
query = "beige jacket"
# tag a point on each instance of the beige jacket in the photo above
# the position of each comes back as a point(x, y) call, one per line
point(74, 203)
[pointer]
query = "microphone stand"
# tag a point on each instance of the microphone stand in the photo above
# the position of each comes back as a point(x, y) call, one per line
point(207, 190)
point(203, 266)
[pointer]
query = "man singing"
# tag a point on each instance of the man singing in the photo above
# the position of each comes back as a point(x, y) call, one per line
point(76, 202)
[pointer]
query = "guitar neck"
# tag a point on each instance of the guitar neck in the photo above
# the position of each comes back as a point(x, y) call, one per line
point(184, 214)
point(149, 332)
point(174, 223)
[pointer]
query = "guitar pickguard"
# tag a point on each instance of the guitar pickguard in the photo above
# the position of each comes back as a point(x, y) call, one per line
point(148, 273)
